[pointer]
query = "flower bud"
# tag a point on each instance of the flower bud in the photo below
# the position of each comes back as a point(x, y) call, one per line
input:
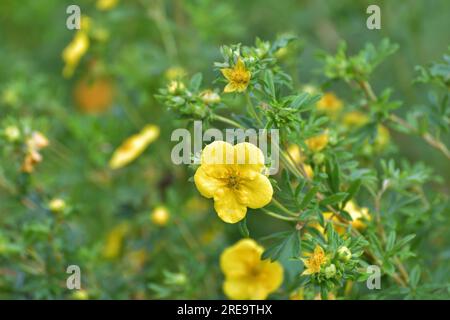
point(57, 205)
point(160, 216)
point(330, 271)
point(12, 133)
point(344, 254)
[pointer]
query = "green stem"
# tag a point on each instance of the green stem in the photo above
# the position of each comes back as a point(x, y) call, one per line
point(251, 109)
point(283, 208)
point(277, 216)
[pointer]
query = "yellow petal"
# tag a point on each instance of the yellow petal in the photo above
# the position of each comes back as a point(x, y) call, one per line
point(206, 184)
point(271, 275)
point(235, 260)
point(249, 157)
point(227, 73)
point(228, 207)
point(256, 193)
point(231, 87)
point(133, 147)
point(217, 159)
point(244, 289)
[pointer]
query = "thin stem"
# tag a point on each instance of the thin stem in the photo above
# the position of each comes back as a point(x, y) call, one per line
point(430, 139)
point(277, 216)
point(227, 121)
point(283, 208)
point(252, 109)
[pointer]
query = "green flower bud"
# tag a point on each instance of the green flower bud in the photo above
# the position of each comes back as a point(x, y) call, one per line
point(318, 158)
point(330, 271)
point(344, 254)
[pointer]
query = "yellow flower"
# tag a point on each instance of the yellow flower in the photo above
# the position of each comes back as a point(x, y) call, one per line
point(238, 77)
point(174, 73)
point(37, 141)
point(232, 176)
point(314, 261)
point(246, 275)
point(355, 119)
point(57, 205)
point(106, 4)
point(358, 215)
point(114, 241)
point(329, 104)
point(73, 53)
point(317, 143)
point(160, 216)
point(133, 146)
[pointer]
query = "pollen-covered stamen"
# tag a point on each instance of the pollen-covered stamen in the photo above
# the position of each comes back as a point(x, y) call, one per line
point(233, 182)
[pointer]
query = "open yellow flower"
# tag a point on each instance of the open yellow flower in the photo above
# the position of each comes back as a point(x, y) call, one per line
point(317, 143)
point(133, 146)
point(329, 104)
point(232, 176)
point(314, 261)
point(246, 275)
point(238, 77)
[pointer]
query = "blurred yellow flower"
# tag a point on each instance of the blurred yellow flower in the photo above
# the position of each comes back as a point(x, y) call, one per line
point(355, 119)
point(317, 143)
point(299, 158)
point(329, 104)
point(37, 141)
point(133, 146)
point(114, 241)
point(314, 261)
point(246, 275)
point(175, 73)
point(80, 295)
point(160, 216)
point(57, 205)
point(105, 5)
point(359, 218)
point(238, 77)
point(73, 53)
point(358, 119)
point(232, 176)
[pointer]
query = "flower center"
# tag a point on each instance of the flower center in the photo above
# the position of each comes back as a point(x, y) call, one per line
point(233, 182)
point(239, 77)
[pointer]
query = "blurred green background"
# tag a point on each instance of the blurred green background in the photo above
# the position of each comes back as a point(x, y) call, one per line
point(144, 39)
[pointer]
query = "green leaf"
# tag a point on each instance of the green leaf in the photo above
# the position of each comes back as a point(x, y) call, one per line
point(308, 197)
point(333, 199)
point(243, 229)
point(391, 241)
point(269, 84)
point(404, 241)
point(287, 246)
point(195, 82)
point(352, 191)
point(414, 276)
